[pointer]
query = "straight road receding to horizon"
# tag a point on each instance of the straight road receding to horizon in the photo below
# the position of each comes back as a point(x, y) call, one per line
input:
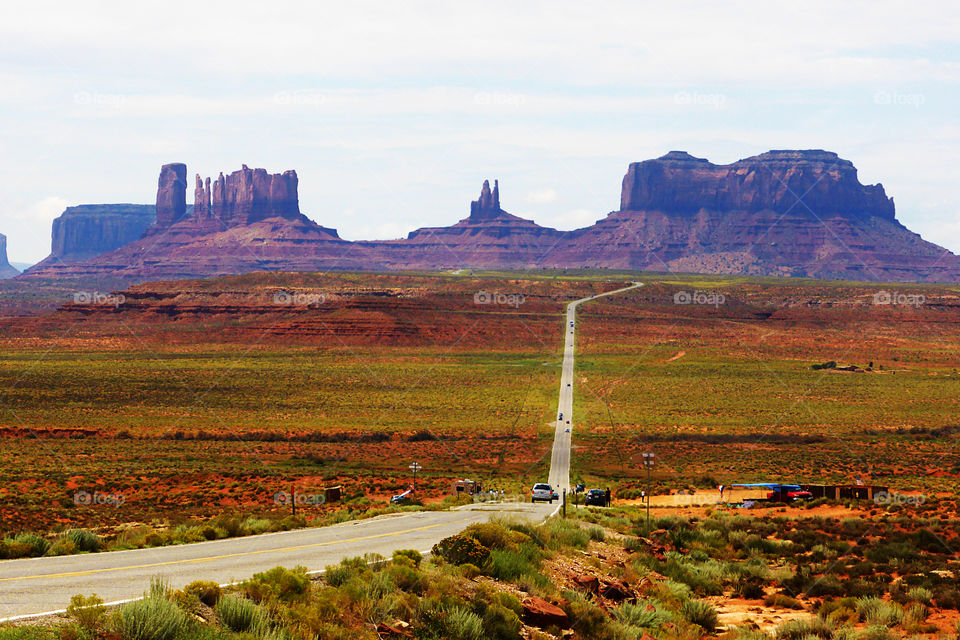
point(34, 587)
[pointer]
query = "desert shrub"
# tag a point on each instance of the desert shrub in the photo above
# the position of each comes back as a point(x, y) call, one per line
point(700, 613)
point(876, 612)
point(37, 543)
point(62, 547)
point(646, 614)
point(463, 625)
point(748, 588)
point(460, 549)
point(26, 633)
point(501, 623)
point(406, 576)
point(804, 629)
point(920, 594)
point(339, 574)
point(591, 620)
point(88, 612)
point(240, 615)
point(254, 526)
point(596, 534)
point(155, 617)
point(206, 592)
point(562, 534)
point(441, 621)
point(83, 540)
point(511, 565)
point(490, 535)
point(782, 601)
point(9, 550)
point(947, 598)
point(876, 632)
point(278, 584)
point(408, 554)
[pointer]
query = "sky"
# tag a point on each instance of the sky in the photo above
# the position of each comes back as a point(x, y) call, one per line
point(393, 113)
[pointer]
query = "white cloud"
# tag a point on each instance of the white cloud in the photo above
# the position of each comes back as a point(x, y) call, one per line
point(541, 196)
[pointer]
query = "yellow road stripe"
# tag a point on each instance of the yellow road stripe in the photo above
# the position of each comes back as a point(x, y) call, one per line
point(73, 574)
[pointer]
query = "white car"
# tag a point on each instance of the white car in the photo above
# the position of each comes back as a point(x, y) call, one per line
point(542, 493)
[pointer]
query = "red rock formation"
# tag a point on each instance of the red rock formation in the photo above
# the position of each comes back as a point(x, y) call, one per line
point(489, 236)
point(818, 183)
point(171, 194)
point(540, 613)
point(488, 206)
point(85, 231)
point(201, 198)
point(249, 195)
point(6, 270)
point(782, 213)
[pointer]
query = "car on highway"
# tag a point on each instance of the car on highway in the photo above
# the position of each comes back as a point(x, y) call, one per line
point(561, 416)
point(543, 492)
point(596, 498)
point(568, 429)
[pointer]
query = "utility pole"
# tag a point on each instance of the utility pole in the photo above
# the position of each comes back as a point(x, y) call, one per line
point(649, 459)
point(415, 467)
point(564, 503)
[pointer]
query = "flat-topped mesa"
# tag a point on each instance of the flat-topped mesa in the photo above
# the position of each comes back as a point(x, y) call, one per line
point(171, 194)
point(803, 182)
point(488, 206)
point(249, 195)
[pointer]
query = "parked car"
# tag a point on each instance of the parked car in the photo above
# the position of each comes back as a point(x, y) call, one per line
point(596, 498)
point(542, 492)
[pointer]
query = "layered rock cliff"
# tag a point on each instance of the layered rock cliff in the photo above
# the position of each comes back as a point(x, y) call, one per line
point(781, 213)
point(814, 182)
point(6, 270)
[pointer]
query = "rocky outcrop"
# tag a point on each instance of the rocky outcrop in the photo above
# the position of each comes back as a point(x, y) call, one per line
point(250, 195)
point(171, 194)
point(6, 270)
point(816, 183)
point(86, 231)
point(488, 236)
point(782, 213)
point(488, 206)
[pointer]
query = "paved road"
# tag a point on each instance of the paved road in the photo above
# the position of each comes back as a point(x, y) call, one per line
point(35, 586)
point(560, 459)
